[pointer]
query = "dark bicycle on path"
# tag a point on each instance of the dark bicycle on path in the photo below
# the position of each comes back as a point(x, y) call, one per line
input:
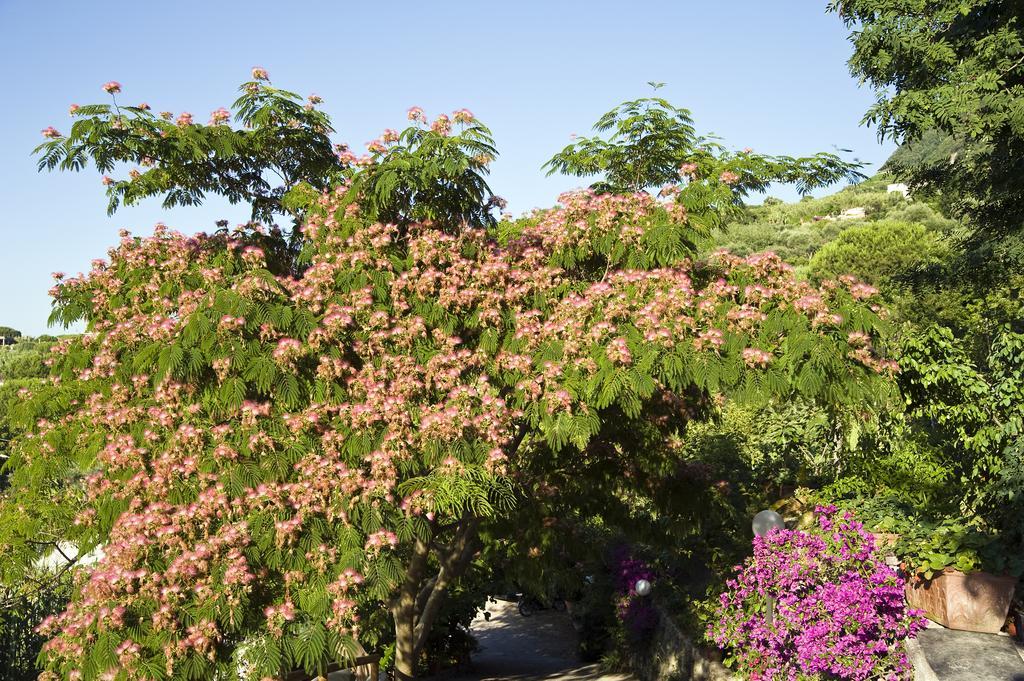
point(528, 605)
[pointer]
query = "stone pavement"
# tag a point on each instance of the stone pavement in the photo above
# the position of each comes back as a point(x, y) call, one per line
point(537, 648)
point(543, 648)
point(941, 654)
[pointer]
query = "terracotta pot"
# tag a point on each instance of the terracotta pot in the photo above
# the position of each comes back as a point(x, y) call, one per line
point(977, 601)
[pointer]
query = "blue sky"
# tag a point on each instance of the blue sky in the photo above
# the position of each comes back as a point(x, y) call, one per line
point(768, 75)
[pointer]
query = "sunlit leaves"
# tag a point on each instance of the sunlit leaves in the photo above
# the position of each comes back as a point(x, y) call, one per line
point(948, 85)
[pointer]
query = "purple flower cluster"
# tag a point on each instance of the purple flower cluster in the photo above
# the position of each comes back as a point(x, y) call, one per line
point(628, 570)
point(636, 613)
point(840, 612)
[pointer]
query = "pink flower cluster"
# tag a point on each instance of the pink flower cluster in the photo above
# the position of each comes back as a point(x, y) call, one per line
point(755, 357)
point(688, 170)
point(381, 540)
point(441, 125)
point(220, 116)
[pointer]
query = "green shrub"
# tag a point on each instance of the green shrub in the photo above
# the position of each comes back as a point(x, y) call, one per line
point(19, 642)
point(878, 252)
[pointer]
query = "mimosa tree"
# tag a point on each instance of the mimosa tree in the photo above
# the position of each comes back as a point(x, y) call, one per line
point(282, 439)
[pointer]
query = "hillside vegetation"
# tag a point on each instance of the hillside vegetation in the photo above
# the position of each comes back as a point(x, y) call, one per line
point(797, 231)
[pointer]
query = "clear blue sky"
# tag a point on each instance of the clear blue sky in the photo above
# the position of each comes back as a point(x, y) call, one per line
point(768, 75)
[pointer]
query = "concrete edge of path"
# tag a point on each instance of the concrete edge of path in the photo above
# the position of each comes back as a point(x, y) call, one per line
point(922, 670)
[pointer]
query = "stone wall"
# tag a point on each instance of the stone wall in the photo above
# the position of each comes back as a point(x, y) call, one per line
point(672, 656)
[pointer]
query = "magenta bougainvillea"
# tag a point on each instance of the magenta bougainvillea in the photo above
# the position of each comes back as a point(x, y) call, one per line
point(840, 612)
point(637, 613)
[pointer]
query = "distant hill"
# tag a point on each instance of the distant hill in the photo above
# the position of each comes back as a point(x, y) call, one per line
point(798, 230)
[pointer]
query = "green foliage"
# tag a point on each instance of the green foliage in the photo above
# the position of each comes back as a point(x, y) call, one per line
point(23, 610)
point(927, 541)
point(975, 411)
point(948, 78)
point(878, 252)
point(280, 143)
point(280, 159)
point(651, 144)
point(25, 359)
point(929, 547)
point(794, 243)
point(649, 140)
point(1003, 499)
point(24, 602)
point(22, 367)
point(796, 231)
point(921, 213)
point(870, 194)
point(427, 177)
point(950, 475)
point(10, 399)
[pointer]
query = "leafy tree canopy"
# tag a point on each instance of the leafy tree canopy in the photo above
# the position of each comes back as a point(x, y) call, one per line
point(878, 252)
point(277, 158)
point(949, 82)
point(282, 455)
point(650, 144)
point(27, 363)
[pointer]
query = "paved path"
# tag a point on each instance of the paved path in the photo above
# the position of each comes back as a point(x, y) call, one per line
point(537, 648)
point(543, 648)
point(947, 655)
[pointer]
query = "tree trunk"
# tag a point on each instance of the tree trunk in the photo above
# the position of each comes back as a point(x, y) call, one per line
point(403, 611)
point(405, 651)
point(419, 601)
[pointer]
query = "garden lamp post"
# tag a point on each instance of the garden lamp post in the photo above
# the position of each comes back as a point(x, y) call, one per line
point(765, 522)
point(642, 587)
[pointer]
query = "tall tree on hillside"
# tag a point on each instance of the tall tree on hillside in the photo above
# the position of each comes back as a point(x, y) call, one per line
point(949, 77)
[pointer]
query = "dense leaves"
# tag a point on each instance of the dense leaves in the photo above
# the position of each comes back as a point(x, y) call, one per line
point(281, 143)
point(949, 75)
point(975, 411)
point(650, 144)
point(272, 454)
point(879, 252)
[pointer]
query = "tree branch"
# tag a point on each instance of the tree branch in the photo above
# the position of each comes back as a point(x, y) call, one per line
point(513, 446)
point(413, 576)
point(453, 564)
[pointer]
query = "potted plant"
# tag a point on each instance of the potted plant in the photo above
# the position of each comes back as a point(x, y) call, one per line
point(958, 572)
point(959, 575)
